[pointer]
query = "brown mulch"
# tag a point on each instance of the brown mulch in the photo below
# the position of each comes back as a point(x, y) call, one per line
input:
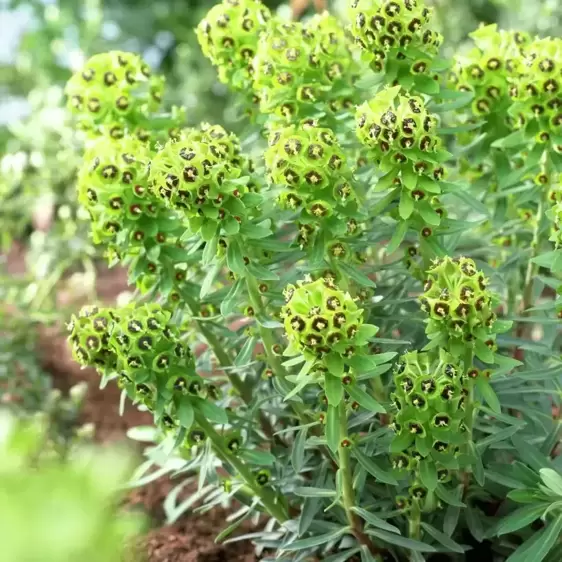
point(191, 539)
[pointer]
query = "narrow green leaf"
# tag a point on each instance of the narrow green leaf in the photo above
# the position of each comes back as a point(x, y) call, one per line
point(552, 480)
point(184, 412)
point(310, 509)
point(364, 399)
point(260, 458)
point(399, 540)
point(374, 520)
point(448, 497)
point(520, 518)
point(233, 526)
point(207, 284)
point(231, 299)
point(452, 515)
point(498, 436)
point(245, 355)
point(538, 546)
point(373, 468)
point(397, 237)
point(211, 411)
point(442, 538)
point(342, 556)
point(406, 205)
point(334, 389)
point(485, 388)
point(529, 454)
point(356, 275)
point(332, 428)
point(235, 258)
point(297, 452)
point(475, 523)
point(428, 474)
point(311, 542)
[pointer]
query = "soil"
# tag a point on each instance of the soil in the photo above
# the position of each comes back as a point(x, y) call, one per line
point(191, 539)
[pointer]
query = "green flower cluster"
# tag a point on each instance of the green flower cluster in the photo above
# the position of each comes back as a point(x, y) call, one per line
point(308, 161)
point(112, 186)
point(401, 137)
point(126, 217)
point(393, 35)
point(144, 349)
point(429, 422)
point(89, 336)
point(319, 318)
point(112, 91)
point(229, 37)
point(201, 175)
point(400, 132)
point(487, 69)
point(298, 65)
point(537, 91)
point(460, 308)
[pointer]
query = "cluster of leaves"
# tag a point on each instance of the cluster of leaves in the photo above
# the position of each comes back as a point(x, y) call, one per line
point(69, 505)
point(305, 415)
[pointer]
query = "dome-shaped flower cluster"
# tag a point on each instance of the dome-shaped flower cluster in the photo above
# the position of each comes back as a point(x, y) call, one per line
point(460, 307)
point(144, 349)
point(396, 31)
point(429, 420)
point(309, 162)
point(298, 65)
point(90, 338)
point(319, 318)
point(229, 35)
point(488, 68)
point(114, 89)
point(537, 90)
point(197, 175)
point(400, 132)
point(112, 186)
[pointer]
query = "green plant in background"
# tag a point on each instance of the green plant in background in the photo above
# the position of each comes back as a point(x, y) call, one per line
point(69, 507)
point(305, 414)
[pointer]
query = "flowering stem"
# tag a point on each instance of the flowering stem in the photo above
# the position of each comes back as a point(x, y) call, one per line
point(242, 388)
point(347, 483)
point(414, 522)
point(532, 267)
point(272, 503)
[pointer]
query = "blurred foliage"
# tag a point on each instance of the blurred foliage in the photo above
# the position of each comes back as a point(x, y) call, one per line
point(53, 510)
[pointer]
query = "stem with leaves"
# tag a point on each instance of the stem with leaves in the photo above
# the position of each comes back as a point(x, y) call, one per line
point(272, 502)
point(346, 472)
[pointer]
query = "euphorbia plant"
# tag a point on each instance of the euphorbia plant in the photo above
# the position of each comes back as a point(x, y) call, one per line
point(358, 402)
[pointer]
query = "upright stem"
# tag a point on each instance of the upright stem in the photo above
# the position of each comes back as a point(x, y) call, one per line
point(532, 268)
point(243, 389)
point(414, 521)
point(344, 459)
point(268, 338)
point(272, 503)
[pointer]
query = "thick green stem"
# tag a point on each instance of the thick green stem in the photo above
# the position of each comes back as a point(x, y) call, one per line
point(414, 522)
point(271, 502)
point(345, 468)
point(344, 460)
